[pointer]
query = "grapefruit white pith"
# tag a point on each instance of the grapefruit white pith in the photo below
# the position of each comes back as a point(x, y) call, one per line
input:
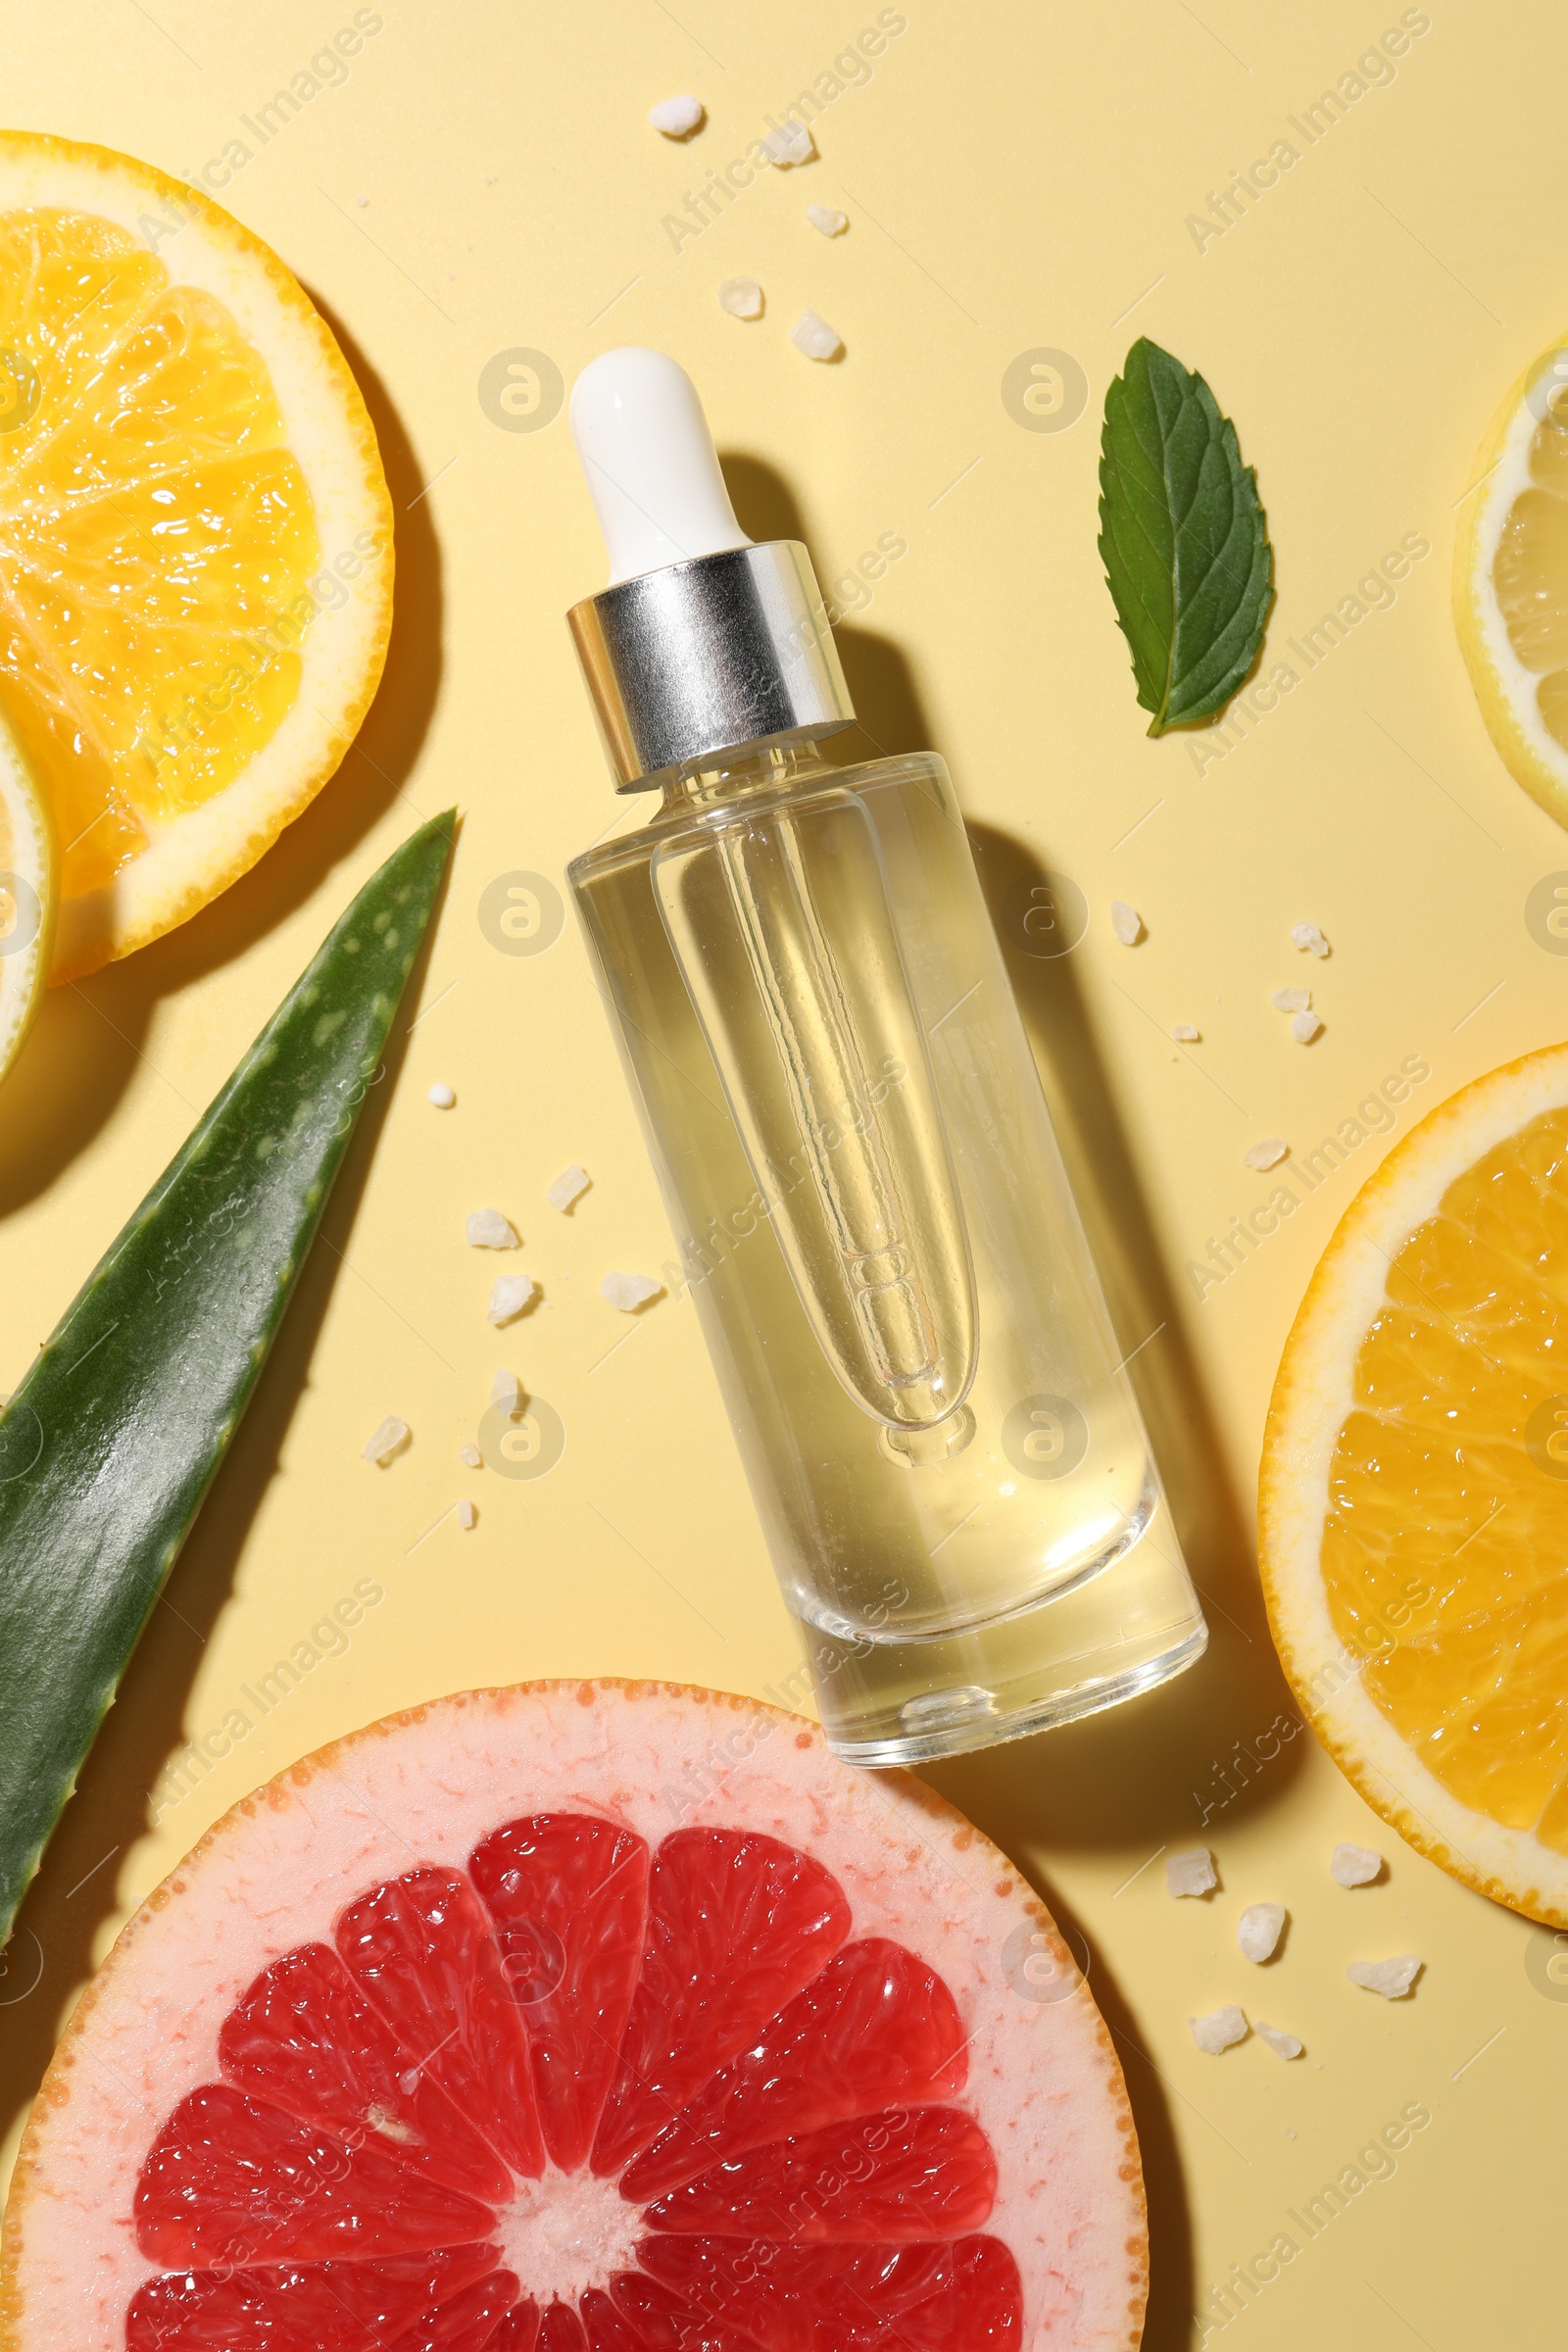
point(583, 2018)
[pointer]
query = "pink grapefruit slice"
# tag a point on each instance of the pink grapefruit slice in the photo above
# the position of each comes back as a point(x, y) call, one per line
point(583, 2018)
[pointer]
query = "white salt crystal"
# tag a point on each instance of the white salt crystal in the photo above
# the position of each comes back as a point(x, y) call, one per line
point(1391, 1977)
point(1283, 2045)
point(1305, 1026)
point(628, 1292)
point(1258, 1929)
point(569, 1186)
point(676, 117)
point(1354, 1865)
point(1267, 1154)
point(510, 1296)
point(1126, 923)
point(1185, 1034)
point(1309, 938)
point(1191, 1873)
point(1292, 999)
point(488, 1229)
point(389, 1439)
point(506, 1390)
point(788, 143)
point(1217, 2031)
point(824, 218)
point(466, 1514)
point(815, 337)
point(470, 1458)
point(441, 1095)
point(742, 297)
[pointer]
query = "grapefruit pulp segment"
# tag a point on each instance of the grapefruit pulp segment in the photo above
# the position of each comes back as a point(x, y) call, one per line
point(872, 2026)
point(306, 2038)
point(569, 1897)
point(421, 1949)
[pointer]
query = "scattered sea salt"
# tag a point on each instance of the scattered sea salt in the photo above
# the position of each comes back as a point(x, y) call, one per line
point(824, 218)
point(1354, 1865)
point(1292, 999)
point(1258, 1930)
point(1185, 1034)
point(1219, 2029)
point(441, 1095)
point(510, 1296)
point(1391, 1977)
point(1283, 2045)
point(1191, 1873)
point(1309, 938)
point(470, 1458)
point(629, 1292)
point(1267, 1154)
point(1126, 923)
point(506, 1390)
point(815, 337)
point(788, 143)
point(676, 117)
point(1305, 1026)
point(569, 1186)
point(488, 1229)
point(742, 297)
point(389, 1439)
point(466, 1514)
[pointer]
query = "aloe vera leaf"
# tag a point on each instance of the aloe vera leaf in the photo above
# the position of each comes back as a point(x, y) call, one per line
point(112, 1440)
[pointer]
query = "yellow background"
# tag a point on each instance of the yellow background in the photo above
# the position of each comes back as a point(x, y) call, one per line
point(1017, 176)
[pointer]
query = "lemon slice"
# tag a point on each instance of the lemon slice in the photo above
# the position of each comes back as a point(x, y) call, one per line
point(1510, 583)
point(1414, 1507)
point(27, 898)
point(195, 538)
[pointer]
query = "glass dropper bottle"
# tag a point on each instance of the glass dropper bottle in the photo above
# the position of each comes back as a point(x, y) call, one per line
point(949, 1462)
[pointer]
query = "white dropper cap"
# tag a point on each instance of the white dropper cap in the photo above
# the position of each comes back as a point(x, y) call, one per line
point(649, 457)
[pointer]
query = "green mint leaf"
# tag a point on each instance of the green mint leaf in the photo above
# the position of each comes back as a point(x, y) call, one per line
point(1183, 539)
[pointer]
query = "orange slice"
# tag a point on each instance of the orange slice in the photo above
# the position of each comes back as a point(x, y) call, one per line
point(1510, 580)
point(195, 538)
point(1414, 1491)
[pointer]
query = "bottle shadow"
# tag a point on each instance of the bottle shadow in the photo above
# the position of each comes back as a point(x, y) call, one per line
point(1165, 1770)
point(53, 1948)
point(89, 1033)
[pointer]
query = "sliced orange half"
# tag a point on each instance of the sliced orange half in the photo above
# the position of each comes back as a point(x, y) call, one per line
point(1414, 1491)
point(195, 538)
